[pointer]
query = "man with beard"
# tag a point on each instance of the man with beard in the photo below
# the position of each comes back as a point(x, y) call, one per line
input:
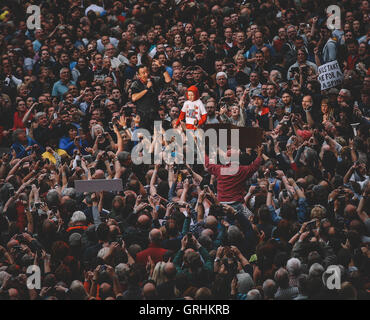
point(211, 111)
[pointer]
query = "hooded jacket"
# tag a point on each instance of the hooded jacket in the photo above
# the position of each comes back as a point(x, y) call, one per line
point(193, 112)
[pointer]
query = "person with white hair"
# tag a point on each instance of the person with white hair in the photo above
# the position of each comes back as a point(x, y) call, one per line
point(77, 291)
point(222, 85)
point(77, 223)
point(122, 270)
point(244, 285)
point(293, 266)
point(61, 87)
point(316, 270)
point(254, 294)
point(70, 192)
point(102, 139)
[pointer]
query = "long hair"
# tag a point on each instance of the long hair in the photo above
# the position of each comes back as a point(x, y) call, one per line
point(158, 274)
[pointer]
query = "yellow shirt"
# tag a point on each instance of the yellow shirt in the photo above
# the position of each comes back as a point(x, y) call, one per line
point(50, 156)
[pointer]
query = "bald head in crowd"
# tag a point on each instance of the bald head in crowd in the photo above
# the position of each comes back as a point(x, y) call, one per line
point(155, 236)
point(143, 221)
point(149, 291)
point(211, 222)
point(170, 270)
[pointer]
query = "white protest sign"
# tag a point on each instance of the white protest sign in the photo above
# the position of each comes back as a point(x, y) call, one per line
point(330, 75)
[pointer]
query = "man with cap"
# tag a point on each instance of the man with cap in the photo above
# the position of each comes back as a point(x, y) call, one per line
point(260, 114)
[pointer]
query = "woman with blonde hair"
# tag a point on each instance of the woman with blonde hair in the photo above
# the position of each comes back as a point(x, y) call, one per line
point(158, 273)
point(102, 139)
point(241, 64)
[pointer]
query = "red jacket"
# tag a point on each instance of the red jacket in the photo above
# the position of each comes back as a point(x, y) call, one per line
point(17, 121)
point(230, 188)
point(154, 251)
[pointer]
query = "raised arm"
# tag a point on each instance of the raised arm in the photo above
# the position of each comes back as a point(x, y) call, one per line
point(28, 113)
point(360, 209)
point(118, 134)
point(153, 189)
point(349, 173)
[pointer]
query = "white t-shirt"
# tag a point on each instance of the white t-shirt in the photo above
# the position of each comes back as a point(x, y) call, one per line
point(193, 111)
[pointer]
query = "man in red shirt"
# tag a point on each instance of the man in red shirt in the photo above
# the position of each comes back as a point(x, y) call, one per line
point(231, 188)
point(154, 250)
point(352, 54)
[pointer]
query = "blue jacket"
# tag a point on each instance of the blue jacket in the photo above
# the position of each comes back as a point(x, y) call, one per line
point(67, 145)
point(20, 150)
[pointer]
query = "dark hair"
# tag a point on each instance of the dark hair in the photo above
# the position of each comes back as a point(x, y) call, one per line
point(131, 54)
point(264, 214)
point(352, 41)
point(140, 67)
point(304, 52)
point(102, 232)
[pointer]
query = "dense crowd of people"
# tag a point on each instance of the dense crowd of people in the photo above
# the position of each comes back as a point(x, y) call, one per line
point(74, 92)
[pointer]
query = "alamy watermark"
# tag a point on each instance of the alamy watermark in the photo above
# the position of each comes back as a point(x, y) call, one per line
point(34, 20)
point(34, 277)
point(333, 22)
point(332, 277)
point(190, 141)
